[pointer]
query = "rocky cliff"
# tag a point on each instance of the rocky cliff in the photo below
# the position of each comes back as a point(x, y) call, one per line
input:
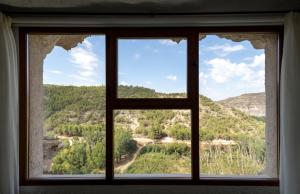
point(251, 103)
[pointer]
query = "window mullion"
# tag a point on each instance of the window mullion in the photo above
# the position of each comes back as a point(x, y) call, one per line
point(111, 82)
point(193, 88)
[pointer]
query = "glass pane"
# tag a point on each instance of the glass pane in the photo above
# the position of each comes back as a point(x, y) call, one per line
point(152, 143)
point(152, 68)
point(232, 107)
point(67, 105)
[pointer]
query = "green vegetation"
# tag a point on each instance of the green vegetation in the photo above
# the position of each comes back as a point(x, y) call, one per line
point(168, 159)
point(123, 144)
point(180, 132)
point(230, 160)
point(77, 115)
point(87, 155)
point(152, 123)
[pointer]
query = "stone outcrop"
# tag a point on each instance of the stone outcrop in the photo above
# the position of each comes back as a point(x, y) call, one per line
point(253, 104)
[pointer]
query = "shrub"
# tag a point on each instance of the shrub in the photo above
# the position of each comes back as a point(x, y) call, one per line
point(124, 144)
point(180, 132)
point(172, 148)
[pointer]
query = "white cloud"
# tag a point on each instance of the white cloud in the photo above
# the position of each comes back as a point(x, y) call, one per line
point(203, 78)
point(83, 80)
point(55, 72)
point(167, 42)
point(124, 83)
point(172, 77)
point(247, 59)
point(259, 60)
point(87, 44)
point(253, 73)
point(226, 49)
point(86, 62)
point(122, 73)
point(136, 56)
point(148, 82)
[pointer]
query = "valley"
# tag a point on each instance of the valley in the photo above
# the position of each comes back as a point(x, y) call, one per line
point(147, 141)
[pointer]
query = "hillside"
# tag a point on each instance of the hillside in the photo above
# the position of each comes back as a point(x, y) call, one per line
point(253, 103)
point(74, 118)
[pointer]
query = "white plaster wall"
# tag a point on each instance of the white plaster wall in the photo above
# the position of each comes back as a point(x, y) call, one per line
point(149, 189)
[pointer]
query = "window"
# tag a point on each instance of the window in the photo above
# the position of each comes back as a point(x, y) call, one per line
point(149, 106)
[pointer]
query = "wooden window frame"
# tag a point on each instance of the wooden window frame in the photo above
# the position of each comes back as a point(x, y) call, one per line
point(191, 102)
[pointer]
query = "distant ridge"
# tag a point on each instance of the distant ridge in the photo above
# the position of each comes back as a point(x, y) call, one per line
point(253, 104)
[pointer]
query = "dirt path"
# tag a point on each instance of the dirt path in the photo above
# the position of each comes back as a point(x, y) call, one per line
point(121, 168)
point(70, 139)
point(143, 141)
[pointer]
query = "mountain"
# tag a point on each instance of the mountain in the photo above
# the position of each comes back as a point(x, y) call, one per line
point(86, 105)
point(253, 104)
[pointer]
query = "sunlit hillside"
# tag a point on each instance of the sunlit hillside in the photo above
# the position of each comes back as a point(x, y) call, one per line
point(146, 141)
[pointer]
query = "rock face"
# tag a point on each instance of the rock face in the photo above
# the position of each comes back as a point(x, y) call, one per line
point(252, 103)
point(50, 147)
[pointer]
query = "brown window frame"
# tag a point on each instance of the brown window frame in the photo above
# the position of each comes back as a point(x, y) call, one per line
point(191, 102)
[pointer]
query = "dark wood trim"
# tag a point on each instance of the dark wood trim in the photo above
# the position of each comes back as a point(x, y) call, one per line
point(150, 31)
point(23, 106)
point(111, 49)
point(156, 181)
point(114, 103)
point(148, 103)
point(12, 11)
point(193, 89)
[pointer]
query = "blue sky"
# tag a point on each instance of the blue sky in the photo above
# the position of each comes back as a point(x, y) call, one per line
point(227, 68)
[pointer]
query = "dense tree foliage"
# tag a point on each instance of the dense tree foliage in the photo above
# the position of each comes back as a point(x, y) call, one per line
point(123, 143)
point(87, 155)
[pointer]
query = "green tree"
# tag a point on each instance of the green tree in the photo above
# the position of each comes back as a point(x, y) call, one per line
point(123, 143)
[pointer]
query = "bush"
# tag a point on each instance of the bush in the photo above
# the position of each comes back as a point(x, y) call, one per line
point(89, 156)
point(169, 149)
point(159, 163)
point(180, 132)
point(70, 160)
point(124, 144)
point(152, 130)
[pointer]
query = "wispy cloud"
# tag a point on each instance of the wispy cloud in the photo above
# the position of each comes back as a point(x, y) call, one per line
point(86, 61)
point(136, 56)
point(87, 44)
point(226, 49)
point(148, 82)
point(124, 83)
point(203, 78)
point(168, 42)
point(122, 73)
point(151, 49)
point(83, 80)
point(172, 77)
point(55, 72)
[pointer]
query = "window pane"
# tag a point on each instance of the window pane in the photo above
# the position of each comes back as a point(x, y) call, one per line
point(232, 106)
point(152, 68)
point(152, 143)
point(67, 105)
